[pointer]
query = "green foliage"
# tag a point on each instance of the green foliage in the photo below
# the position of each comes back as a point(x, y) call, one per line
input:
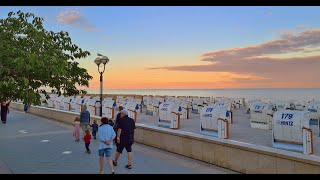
point(32, 58)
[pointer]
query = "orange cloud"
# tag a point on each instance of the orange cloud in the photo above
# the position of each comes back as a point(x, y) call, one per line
point(300, 71)
point(287, 44)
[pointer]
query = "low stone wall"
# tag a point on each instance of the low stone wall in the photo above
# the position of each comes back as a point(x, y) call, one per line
point(17, 106)
point(55, 114)
point(238, 156)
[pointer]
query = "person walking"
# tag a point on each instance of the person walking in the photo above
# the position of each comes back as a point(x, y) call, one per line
point(87, 139)
point(4, 111)
point(125, 137)
point(76, 130)
point(106, 135)
point(26, 107)
point(84, 119)
point(95, 129)
point(116, 124)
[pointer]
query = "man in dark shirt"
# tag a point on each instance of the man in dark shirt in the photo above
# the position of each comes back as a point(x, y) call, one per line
point(116, 125)
point(125, 137)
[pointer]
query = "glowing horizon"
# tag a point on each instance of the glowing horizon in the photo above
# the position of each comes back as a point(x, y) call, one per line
point(193, 47)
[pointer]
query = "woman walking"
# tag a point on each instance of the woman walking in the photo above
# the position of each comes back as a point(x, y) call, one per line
point(4, 111)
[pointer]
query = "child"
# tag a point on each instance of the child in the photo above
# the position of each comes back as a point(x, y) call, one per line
point(94, 129)
point(76, 131)
point(87, 138)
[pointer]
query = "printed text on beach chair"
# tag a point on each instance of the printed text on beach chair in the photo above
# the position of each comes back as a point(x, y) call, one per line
point(213, 121)
point(261, 115)
point(291, 131)
point(108, 109)
point(169, 115)
point(249, 102)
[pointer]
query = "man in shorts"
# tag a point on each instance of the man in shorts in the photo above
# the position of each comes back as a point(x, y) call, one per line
point(106, 135)
point(125, 137)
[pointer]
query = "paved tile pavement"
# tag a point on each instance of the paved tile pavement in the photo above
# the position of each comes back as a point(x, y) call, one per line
point(34, 145)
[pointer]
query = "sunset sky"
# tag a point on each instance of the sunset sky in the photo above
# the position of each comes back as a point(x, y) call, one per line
point(193, 47)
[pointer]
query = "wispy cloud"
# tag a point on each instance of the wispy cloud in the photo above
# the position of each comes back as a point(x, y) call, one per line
point(302, 26)
point(259, 59)
point(287, 44)
point(295, 30)
point(261, 65)
point(74, 18)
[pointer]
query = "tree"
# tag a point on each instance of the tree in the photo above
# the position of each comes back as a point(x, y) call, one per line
point(33, 59)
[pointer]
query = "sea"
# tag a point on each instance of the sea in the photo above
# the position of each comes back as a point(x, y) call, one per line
point(265, 94)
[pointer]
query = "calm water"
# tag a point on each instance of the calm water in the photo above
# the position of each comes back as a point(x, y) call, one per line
point(264, 94)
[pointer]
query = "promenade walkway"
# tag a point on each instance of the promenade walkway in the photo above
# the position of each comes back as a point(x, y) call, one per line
point(30, 144)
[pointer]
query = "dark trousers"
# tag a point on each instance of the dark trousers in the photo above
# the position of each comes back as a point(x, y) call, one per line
point(4, 113)
point(4, 116)
point(94, 134)
point(87, 146)
point(26, 106)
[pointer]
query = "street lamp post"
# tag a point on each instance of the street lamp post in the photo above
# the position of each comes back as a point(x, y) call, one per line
point(101, 61)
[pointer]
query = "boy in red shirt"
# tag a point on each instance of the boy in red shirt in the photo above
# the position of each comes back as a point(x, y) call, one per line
point(87, 139)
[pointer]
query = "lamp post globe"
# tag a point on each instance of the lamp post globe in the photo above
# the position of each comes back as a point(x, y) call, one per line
point(97, 61)
point(104, 60)
point(101, 60)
